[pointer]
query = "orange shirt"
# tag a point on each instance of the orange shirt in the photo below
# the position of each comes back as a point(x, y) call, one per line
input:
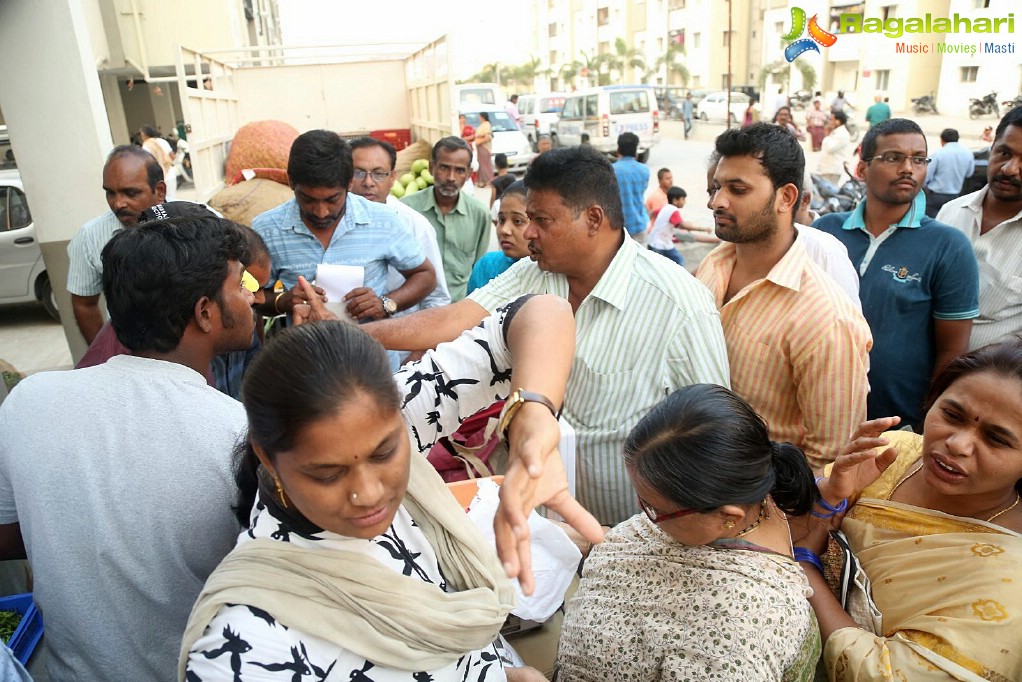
point(798, 350)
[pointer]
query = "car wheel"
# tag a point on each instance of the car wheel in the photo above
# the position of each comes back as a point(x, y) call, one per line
point(734, 119)
point(554, 143)
point(48, 298)
point(643, 157)
point(703, 116)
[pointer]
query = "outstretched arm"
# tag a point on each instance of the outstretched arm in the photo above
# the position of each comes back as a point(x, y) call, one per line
point(541, 339)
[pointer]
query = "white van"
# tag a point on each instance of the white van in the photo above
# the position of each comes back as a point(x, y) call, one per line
point(606, 112)
point(540, 113)
point(478, 94)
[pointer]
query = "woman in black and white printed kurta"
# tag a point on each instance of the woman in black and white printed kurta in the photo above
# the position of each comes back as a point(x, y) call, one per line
point(246, 643)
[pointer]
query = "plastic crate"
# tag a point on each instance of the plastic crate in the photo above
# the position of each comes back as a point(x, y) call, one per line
point(398, 137)
point(30, 629)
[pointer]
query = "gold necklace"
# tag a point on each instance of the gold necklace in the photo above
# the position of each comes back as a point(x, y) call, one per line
point(755, 524)
point(1018, 498)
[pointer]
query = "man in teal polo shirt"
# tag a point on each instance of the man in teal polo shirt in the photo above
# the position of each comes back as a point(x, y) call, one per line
point(919, 282)
point(462, 223)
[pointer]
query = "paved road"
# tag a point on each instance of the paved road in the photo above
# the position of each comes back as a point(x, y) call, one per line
point(32, 342)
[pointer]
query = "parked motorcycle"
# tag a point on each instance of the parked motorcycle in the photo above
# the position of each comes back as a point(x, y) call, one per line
point(987, 105)
point(830, 199)
point(925, 104)
point(1012, 103)
point(800, 100)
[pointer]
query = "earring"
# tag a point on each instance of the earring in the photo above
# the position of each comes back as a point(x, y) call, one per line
point(729, 524)
point(280, 493)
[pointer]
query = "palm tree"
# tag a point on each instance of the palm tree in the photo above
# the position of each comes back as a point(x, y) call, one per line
point(623, 58)
point(672, 63)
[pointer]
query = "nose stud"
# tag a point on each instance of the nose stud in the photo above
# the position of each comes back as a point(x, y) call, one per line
point(354, 496)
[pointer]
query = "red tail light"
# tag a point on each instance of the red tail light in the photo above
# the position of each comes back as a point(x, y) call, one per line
point(606, 125)
point(656, 121)
point(536, 124)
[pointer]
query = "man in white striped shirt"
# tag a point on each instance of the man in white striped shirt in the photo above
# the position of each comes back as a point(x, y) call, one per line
point(133, 182)
point(644, 326)
point(992, 220)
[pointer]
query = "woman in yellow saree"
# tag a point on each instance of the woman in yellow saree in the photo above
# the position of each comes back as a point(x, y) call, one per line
point(936, 535)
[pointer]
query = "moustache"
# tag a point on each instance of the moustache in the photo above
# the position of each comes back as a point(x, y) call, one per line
point(1017, 182)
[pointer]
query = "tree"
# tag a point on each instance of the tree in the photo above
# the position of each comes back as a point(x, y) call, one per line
point(672, 62)
point(622, 58)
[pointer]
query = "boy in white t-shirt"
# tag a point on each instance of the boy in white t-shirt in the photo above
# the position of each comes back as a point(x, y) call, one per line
point(661, 234)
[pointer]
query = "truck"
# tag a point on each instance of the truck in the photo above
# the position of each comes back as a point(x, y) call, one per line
point(401, 94)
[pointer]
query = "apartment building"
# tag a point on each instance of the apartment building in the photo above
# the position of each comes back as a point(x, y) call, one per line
point(570, 35)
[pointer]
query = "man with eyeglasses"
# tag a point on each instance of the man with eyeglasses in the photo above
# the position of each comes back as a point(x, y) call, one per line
point(461, 222)
point(919, 282)
point(324, 224)
point(374, 176)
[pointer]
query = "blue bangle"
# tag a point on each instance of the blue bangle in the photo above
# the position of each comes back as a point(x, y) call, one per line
point(841, 506)
point(809, 556)
point(820, 478)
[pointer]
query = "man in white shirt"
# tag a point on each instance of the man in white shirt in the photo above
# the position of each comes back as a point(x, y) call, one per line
point(992, 220)
point(511, 107)
point(375, 162)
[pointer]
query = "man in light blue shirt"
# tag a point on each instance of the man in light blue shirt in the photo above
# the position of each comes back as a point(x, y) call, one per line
point(686, 113)
point(948, 169)
point(326, 224)
point(632, 180)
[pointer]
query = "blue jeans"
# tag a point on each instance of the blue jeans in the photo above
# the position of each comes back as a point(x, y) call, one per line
point(688, 125)
point(672, 254)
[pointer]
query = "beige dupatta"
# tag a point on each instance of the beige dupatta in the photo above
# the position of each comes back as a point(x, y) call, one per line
point(393, 620)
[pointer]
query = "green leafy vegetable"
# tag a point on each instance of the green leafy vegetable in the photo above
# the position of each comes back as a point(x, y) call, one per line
point(8, 624)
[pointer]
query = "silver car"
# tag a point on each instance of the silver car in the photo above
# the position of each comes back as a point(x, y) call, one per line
point(22, 271)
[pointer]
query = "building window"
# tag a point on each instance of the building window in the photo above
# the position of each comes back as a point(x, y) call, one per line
point(695, 40)
point(969, 74)
point(695, 81)
point(727, 39)
point(603, 16)
point(779, 28)
point(552, 30)
point(603, 48)
point(883, 79)
point(553, 57)
point(676, 4)
point(660, 44)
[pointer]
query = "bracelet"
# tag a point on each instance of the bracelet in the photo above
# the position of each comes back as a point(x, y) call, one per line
point(841, 507)
point(809, 556)
point(276, 301)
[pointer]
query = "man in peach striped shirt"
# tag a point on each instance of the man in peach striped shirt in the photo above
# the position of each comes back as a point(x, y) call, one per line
point(797, 345)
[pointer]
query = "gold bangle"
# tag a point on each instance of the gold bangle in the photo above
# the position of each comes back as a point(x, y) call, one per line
point(276, 302)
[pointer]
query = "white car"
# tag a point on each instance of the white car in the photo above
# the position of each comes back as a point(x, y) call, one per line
point(713, 106)
point(540, 113)
point(22, 271)
point(507, 138)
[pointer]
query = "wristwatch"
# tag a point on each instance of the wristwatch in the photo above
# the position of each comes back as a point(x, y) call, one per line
point(389, 307)
point(514, 403)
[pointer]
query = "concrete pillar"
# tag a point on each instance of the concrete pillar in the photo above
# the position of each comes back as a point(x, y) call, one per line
point(115, 109)
point(54, 108)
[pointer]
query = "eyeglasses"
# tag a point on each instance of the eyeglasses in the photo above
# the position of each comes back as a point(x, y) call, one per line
point(377, 176)
point(248, 282)
point(897, 158)
point(655, 517)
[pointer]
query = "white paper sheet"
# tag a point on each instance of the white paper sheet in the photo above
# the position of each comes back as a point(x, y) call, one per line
point(337, 281)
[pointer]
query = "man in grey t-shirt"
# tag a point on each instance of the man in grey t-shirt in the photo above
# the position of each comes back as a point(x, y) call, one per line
point(116, 480)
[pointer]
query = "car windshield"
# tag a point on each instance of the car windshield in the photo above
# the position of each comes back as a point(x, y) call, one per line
point(500, 121)
point(551, 105)
point(477, 96)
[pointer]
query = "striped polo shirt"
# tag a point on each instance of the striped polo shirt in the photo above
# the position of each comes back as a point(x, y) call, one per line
point(85, 267)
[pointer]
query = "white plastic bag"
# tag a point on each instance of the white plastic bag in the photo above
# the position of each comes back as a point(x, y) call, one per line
point(554, 556)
